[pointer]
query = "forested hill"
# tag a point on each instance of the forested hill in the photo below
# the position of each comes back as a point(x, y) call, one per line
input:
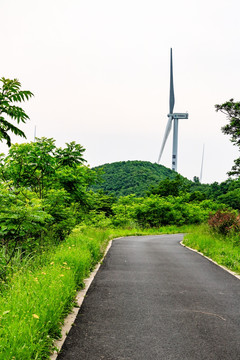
point(131, 177)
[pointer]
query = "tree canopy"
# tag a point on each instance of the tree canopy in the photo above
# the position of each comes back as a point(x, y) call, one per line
point(10, 94)
point(232, 110)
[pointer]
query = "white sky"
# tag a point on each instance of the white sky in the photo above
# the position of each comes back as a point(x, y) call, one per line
point(99, 70)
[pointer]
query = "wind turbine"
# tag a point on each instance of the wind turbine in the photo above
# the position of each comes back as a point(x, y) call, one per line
point(172, 117)
point(201, 172)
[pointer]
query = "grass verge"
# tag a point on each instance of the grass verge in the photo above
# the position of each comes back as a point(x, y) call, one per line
point(225, 250)
point(38, 297)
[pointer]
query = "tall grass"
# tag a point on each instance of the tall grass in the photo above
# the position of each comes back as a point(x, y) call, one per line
point(36, 300)
point(225, 250)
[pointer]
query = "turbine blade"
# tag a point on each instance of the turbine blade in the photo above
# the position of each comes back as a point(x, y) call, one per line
point(171, 97)
point(167, 131)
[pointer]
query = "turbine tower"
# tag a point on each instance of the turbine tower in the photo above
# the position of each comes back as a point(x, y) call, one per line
point(201, 172)
point(172, 117)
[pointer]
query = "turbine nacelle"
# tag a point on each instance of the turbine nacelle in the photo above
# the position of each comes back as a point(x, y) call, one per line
point(178, 116)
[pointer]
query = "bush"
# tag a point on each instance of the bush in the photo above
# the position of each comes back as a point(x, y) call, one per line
point(22, 216)
point(225, 222)
point(97, 219)
point(63, 213)
point(155, 211)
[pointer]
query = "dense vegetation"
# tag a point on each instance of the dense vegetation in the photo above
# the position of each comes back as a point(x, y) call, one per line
point(142, 178)
point(43, 193)
point(131, 177)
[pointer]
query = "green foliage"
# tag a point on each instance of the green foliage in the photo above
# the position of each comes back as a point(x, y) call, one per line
point(44, 193)
point(63, 213)
point(215, 191)
point(197, 196)
point(71, 156)
point(11, 93)
point(231, 198)
point(124, 211)
point(225, 250)
point(76, 181)
point(38, 299)
point(153, 211)
point(232, 110)
point(143, 178)
point(102, 202)
point(40, 165)
point(156, 211)
point(173, 187)
point(97, 219)
point(22, 215)
point(30, 165)
point(131, 177)
point(23, 223)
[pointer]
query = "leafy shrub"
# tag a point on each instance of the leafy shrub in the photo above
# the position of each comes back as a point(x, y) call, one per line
point(63, 213)
point(22, 216)
point(23, 223)
point(43, 190)
point(155, 211)
point(197, 196)
point(173, 187)
point(123, 211)
point(231, 198)
point(97, 219)
point(224, 222)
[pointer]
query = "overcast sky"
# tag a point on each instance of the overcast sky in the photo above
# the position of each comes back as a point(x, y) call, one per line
point(99, 70)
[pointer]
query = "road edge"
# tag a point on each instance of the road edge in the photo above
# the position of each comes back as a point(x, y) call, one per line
point(208, 258)
point(69, 320)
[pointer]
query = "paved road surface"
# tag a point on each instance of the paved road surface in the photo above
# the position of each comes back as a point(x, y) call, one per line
point(154, 299)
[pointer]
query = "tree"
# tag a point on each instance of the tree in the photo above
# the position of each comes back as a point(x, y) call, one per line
point(71, 155)
point(30, 165)
point(41, 166)
point(168, 187)
point(11, 93)
point(232, 110)
point(56, 177)
point(231, 198)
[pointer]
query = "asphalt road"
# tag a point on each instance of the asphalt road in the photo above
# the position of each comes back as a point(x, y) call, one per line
point(154, 299)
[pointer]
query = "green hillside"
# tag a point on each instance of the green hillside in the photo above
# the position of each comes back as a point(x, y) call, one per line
point(131, 177)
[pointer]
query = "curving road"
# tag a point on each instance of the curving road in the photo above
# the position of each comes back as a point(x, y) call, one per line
point(154, 299)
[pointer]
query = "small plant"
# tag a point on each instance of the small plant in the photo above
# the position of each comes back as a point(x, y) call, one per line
point(225, 222)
